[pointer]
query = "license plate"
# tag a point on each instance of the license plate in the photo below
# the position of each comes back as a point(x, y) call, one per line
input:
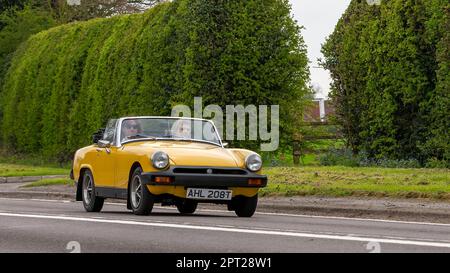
point(208, 194)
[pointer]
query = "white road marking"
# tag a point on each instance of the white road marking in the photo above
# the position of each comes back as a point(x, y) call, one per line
point(237, 230)
point(261, 213)
point(354, 219)
point(325, 217)
point(47, 200)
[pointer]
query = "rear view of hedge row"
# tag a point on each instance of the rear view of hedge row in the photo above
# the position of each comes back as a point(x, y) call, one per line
point(64, 83)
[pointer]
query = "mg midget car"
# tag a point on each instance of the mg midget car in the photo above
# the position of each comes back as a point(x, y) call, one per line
point(168, 160)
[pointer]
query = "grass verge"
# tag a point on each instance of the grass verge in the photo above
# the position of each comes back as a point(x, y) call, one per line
point(50, 182)
point(25, 170)
point(340, 181)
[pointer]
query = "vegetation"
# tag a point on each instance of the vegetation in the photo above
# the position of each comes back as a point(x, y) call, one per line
point(390, 66)
point(8, 170)
point(348, 181)
point(64, 83)
point(19, 19)
point(50, 182)
point(9, 157)
point(311, 152)
point(17, 23)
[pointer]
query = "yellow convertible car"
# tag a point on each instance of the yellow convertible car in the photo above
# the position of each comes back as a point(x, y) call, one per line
point(169, 160)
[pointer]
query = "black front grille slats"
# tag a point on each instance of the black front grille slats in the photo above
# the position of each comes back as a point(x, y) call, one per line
point(211, 171)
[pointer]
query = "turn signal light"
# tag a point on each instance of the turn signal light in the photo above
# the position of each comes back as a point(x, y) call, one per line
point(255, 182)
point(163, 179)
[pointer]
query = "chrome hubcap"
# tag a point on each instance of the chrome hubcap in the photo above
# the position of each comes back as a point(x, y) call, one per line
point(87, 189)
point(136, 191)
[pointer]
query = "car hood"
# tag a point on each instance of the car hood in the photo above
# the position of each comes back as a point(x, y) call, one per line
point(187, 153)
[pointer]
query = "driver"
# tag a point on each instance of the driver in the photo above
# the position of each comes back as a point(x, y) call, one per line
point(130, 127)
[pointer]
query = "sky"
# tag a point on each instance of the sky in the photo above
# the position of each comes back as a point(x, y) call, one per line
point(319, 17)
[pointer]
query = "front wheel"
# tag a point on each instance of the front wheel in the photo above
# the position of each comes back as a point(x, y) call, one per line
point(245, 206)
point(91, 202)
point(141, 199)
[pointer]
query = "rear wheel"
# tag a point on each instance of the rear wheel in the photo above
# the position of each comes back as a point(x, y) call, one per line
point(91, 202)
point(141, 199)
point(187, 206)
point(245, 206)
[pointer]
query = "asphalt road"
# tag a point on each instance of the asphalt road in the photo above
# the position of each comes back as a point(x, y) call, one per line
point(64, 226)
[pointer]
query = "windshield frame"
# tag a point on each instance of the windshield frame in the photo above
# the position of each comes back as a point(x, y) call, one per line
point(121, 120)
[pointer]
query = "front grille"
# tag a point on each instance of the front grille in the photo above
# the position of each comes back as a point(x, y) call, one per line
point(213, 171)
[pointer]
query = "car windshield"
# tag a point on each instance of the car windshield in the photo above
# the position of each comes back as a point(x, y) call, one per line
point(168, 128)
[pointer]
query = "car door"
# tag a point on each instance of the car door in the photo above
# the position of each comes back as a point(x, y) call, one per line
point(106, 158)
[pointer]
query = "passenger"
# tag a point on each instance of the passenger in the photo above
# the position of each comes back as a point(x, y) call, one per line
point(181, 129)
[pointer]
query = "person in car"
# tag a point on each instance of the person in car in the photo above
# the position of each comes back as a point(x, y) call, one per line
point(130, 129)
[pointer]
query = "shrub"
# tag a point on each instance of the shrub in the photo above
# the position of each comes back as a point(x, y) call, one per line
point(391, 78)
point(345, 157)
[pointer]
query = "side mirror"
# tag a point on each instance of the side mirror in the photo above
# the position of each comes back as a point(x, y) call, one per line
point(98, 135)
point(225, 144)
point(104, 144)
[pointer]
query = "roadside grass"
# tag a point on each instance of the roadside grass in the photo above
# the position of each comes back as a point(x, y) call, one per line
point(338, 181)
point(50, 182)
point(7, 170)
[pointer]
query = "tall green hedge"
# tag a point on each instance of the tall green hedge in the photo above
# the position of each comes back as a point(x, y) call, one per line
point(390, 70)
point(64, 83)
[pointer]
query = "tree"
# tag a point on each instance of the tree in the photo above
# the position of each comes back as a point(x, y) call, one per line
point(9, 4)
point(388, 65)
point(83, 10)
point(247, 52)
point(18, 25)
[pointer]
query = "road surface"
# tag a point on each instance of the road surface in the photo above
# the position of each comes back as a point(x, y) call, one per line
point(64, 226)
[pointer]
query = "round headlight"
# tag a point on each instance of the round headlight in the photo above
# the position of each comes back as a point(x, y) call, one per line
point(160, 160)
point(253, 162)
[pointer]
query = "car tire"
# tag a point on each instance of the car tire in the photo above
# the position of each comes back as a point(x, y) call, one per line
point(141, 199)
point(245, 206)
point(186, 206)
point(91, 202)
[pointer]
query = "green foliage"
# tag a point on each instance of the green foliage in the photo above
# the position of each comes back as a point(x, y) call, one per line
point(8, 4)
point(89, 9)
point(246, 52)
point(16, 26)
point(346, 157)
point(390, 66)
point(436, 163)
point(50, 182)
point(338, 157)
point(66, 82)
